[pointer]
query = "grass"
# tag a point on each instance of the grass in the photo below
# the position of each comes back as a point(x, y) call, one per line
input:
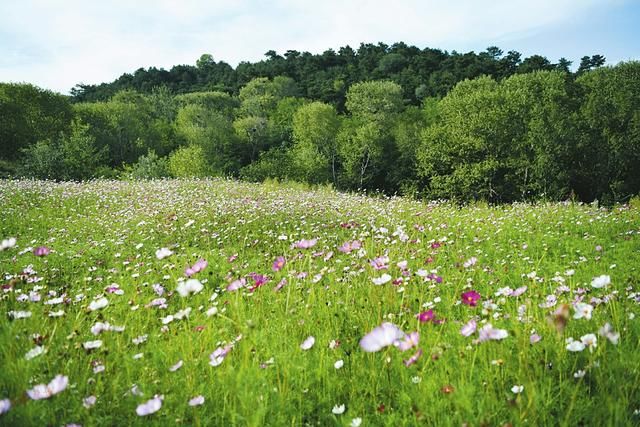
point(105, 233)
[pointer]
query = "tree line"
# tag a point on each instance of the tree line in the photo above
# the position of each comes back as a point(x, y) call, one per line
point(547, 133)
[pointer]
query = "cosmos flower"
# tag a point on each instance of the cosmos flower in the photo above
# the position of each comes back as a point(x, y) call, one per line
point(191, 286)
point(385, 278)
point(176, 366)
point(517, 389)
point(380, 263)
point(470, 262)
point(236, 284)
point(150, 406)
point(278, 263)
point(305, 244)
point(426, 316)
point(98, 304)
point(471, 298)
point(7, 244)
point(219, 354)
point(163, 253)
point(380, 337)
point(601, 282)
point(608, 332)
point(45, 391)
point(339, 364)
point(408, 341)
point(200, 265)
point(583, 310)
point(575, 346)
point(92, 345)
point(308, 343)
point(413, 359)
point(41, 251)
point(88, 402)
point(338, 409)
point(5, 405)
point(488, 332)
point(196, 401)
point(469, 328)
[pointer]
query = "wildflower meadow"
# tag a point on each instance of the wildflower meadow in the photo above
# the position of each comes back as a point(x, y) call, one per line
point(219, 303)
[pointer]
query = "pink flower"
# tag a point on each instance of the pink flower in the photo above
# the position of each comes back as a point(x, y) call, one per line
point(45, 391)
point(410, 340)
point(380, 263)
point(200, 265)
point(470, 298)
point(278, 263)
point(413, 359)
point(347, 247)
point(41, 251)
point(517, 292)
point(380, 337)
point(534, 338)
point(469, 328)
point(305, 244)
point(236, 284)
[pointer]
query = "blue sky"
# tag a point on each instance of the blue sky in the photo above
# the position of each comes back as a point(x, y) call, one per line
point(56, 44)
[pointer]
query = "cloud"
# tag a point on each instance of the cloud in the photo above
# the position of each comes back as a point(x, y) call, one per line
point(57, 44)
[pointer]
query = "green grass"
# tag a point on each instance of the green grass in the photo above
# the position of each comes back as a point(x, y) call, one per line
point(94, 231)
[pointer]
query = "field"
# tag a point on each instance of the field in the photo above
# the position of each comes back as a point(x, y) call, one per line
point(221, 303)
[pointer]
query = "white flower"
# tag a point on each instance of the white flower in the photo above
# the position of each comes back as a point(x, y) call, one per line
point(381, 337)
point(574, 345)
point(212, 311)
point(34, 352)
point(583, 310)
point(90, 345)
point(150, 406)
point(382, 279)
point(589, 340)
point(176, 366)
point(191, 286)
point(88, 402)
point(579, 373)
point(601, 281)
point(338, 409)
point(356, 422)
point(163, 253)
point(339, 364)
point(608, 332)
point(196, 401)
point(516, 389)
point(7, 244)
point(5, 405)
point(308, 343)
point(45, 391)
point(19, 314)
point(98, 304)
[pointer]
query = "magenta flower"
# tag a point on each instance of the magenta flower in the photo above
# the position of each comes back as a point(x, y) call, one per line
point(258, 281)
point(41, 251)
point(200, 265)
point(471, 298)
point(426, 316)
point(278, 263)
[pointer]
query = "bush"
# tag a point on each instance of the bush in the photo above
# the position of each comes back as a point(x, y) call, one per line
point(189, 161)
point(148, 166)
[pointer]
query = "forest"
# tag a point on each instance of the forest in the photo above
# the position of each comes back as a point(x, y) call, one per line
point(391, 119)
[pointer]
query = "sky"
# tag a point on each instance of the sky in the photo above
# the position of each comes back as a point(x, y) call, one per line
point(56, 44)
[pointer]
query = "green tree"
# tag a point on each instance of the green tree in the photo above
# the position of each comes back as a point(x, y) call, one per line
point(315, 129)
point(189, 162)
